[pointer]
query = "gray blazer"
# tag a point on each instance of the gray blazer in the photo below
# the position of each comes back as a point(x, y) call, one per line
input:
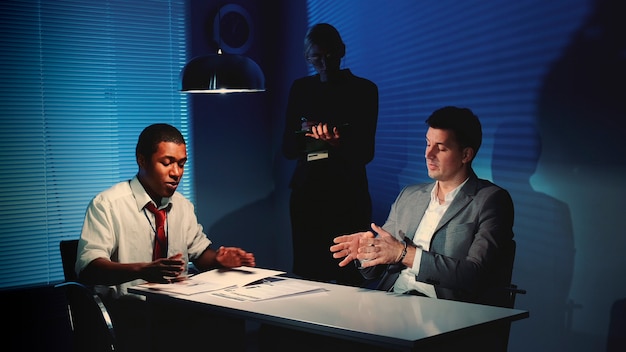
point(472, 250)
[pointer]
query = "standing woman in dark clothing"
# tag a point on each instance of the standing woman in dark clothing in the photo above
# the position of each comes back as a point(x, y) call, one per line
point(329, 128)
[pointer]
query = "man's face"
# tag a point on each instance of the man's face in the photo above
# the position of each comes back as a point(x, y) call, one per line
point(161, 174)
point(445, 160)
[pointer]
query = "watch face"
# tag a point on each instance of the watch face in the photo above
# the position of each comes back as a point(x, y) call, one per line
point(232, 29)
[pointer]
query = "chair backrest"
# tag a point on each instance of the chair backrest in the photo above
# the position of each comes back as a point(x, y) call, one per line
point(500, 294)
point(511, 291)
point(68, 258)
point(90, 320)
point(512, 288)
point(91, 323)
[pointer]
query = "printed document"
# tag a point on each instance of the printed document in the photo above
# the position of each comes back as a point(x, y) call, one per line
point(215, 279)
point(273, 287)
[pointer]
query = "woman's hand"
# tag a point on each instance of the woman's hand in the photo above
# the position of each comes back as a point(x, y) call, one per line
point(322, 132)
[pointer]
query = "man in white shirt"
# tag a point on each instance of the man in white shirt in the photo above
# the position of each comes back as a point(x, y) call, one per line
point(123, 243)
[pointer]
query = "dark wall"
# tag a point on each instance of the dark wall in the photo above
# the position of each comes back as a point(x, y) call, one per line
point(241, 176)
point(566, 180)
point(232, 147)
point(572, 175)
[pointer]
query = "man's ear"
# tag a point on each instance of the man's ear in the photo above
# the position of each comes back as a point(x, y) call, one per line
point(468, 154)
point(141, 161)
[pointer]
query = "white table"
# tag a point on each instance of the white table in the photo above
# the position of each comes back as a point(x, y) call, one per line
point(385, 319)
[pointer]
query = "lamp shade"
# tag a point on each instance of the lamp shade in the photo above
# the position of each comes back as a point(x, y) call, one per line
point(222, 73)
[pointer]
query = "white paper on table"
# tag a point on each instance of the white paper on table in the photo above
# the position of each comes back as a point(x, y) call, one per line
point(273, 288)
point(215, 279)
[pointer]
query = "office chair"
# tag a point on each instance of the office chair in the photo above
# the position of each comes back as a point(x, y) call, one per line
point(68, 250)
point(90, 321)
point(511, 291)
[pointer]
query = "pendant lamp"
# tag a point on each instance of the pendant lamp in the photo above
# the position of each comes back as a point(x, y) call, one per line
point(225, 72)
point(222, 73)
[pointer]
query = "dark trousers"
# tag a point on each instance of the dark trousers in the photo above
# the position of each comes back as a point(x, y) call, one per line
point(317, 217)
point(142, 326)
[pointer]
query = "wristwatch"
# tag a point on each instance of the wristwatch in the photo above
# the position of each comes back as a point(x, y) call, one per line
point(404, 250)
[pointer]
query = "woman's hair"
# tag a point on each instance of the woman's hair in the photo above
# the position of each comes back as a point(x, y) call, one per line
point(326, 36)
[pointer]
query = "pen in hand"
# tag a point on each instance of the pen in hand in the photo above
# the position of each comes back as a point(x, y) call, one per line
point(305, 127)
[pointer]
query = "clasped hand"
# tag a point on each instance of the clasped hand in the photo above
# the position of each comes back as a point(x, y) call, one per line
point(167, 270)
point(322, 132)
point(371, 250)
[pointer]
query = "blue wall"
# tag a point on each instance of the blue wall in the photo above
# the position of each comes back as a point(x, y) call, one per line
point(547, 80)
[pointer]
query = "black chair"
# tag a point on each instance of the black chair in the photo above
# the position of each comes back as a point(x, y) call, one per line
point(90, 321)
point(511, 292)
point(616, 341)
point(69, 250)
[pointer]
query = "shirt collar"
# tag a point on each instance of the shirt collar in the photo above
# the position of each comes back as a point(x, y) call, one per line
point(450, 196)
point(142, 198)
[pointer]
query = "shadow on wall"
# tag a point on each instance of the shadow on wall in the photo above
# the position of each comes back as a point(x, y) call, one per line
point(252, 228)
point(388, 166)
point(582, 101)
point(581, 107)
point(544, 263)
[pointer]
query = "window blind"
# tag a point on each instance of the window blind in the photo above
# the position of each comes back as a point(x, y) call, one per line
point(81, 79)
point(484, 55)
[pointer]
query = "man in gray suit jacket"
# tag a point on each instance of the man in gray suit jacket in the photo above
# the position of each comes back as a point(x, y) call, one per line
point(450, 239)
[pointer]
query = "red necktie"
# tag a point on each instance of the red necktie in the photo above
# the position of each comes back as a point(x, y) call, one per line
point(160, 243)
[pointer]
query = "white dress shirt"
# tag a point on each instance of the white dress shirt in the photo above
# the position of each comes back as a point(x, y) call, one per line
point(423, 236)
point(117, 227)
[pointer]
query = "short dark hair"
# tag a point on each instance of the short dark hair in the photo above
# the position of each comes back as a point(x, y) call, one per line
point(462, 122)
point(154, 134)
point(325, 36)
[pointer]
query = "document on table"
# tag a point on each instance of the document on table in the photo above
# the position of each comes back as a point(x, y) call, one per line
point(215, 279)
point(273, 287)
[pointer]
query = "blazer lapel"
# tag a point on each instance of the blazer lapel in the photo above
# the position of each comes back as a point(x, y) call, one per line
point(419, 210)
point(465, 195)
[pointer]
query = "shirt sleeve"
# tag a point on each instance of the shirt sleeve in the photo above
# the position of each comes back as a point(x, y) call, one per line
point(96, 240)
point(415, 268)
point(196, 240)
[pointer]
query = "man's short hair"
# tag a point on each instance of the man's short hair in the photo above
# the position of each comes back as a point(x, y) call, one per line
point(462, 122)
point(154, 134)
